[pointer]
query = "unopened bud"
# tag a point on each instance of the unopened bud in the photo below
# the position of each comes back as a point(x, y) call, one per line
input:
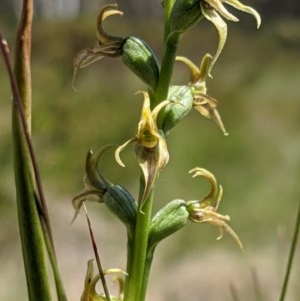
point(182, 103)
point(184, 14)
point(140, 59)
point(166, 221)
point(119, 200)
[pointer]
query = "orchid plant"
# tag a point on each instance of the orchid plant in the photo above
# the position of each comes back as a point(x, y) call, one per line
point(164, 106)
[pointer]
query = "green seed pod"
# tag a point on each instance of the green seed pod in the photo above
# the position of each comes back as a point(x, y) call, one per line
point(175, 112)
point(185, 14)
point(140, 59)
point(122, 204)
point(166, 221)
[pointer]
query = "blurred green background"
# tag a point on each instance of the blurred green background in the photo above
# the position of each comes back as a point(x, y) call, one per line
point(257, 83)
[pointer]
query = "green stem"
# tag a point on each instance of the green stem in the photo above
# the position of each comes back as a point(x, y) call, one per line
point(29, 222)
point(146, 275)
point(31, 232)
point(60, 290)
point(169, 54)
point(291, 257)
point(168, 8)
point(138, 255)
point(139, 261)
point(33, 218)
point(170, 49)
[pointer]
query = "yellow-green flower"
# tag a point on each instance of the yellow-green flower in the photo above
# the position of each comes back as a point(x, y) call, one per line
point(203, 103)
point(212, 9)
point(89, 292)
point(203, 211)
point(136, 54)
point(151, 147)
point(97, 188)
point(107, 45)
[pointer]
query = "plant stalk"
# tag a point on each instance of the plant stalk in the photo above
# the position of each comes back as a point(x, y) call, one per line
point(138, 256)
point(147, 269)
point(34, 224)
point(168, 4)
point(291, 257)
point(139, 262)
point(31, 233)
point(167, 65)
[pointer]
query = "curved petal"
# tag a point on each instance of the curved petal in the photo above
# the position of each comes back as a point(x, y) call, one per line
point(198, 75)
point(94, 177)
point(194, 70)
point(120, 149)
point(158, 108)
point(78, 201)
point(247, 9)
point(106, 11)
point(197, 171)
point(205, 67)
point(207, 107)
point(220, 8)
point(85, 58)
point(151, 161)
point(221, 27)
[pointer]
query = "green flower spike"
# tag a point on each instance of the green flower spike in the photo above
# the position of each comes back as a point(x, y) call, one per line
point(211, 10)
point(204, 212)
point(203, 103)
point(89, 292)
point(107, 45)
point(151, 147)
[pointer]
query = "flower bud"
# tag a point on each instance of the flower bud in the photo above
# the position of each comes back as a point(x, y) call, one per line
point(140, 59)
point(119, 200)
point(116, 197)
point(166, 221)
point(185, 14)
point(182, 98)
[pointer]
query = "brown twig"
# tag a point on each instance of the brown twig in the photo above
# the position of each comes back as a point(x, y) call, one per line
point(290, 257)
point(101, 273)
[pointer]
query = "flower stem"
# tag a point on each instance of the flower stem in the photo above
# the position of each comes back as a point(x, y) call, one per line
point(139, 261)
point(147, 268)
point(170, 49)
point(168, 4)
point(138, 256)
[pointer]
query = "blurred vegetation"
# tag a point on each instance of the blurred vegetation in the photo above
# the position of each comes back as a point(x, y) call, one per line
point(256, 81)
point(9, 9)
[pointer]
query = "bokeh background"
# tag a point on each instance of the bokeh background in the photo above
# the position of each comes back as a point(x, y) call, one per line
point(257, 83)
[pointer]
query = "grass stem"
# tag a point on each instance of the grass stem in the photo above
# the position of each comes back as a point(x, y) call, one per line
point(291, 257)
